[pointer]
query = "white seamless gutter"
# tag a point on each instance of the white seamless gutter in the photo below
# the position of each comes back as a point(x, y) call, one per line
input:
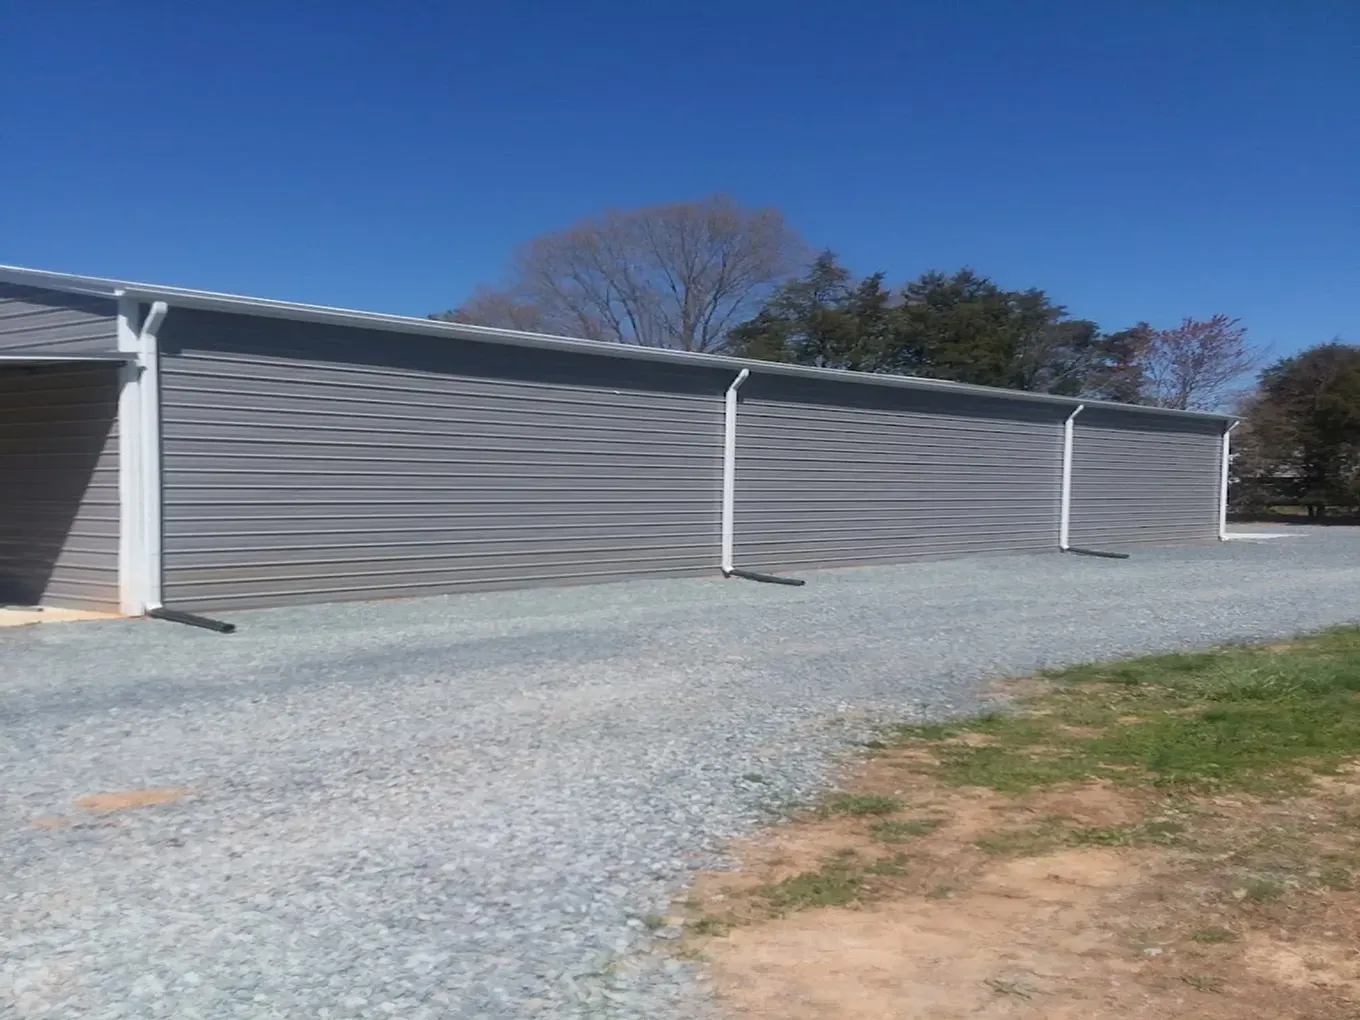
point(236, 304)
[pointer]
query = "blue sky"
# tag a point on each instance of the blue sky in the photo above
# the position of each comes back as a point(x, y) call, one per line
point(1138, 159)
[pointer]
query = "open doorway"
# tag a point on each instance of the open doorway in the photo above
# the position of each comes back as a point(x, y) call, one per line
point(59, 506)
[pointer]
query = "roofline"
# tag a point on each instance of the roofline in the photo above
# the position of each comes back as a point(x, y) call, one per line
point(238, 304)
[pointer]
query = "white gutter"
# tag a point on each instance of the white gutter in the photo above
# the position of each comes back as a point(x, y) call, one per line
point(1065, 509)
point(1223, 482)
point(729, 478)
point(182, 297)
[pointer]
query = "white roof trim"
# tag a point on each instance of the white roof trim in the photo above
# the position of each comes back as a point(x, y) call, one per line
point(210, 301)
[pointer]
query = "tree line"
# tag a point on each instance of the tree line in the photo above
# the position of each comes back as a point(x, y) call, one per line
point(714, 277)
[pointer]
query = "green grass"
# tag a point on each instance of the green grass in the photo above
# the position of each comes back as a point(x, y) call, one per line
point(893, 831)
point(1239, 717)
point(837, 883)
point(1214, 936)
point(863, 804)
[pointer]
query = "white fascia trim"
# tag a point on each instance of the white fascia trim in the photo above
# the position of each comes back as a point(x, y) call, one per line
point(729, 475)
point(1065, 504)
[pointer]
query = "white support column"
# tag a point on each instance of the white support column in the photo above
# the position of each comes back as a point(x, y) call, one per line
point(729, 479)
point(132, 595)
point(1065, 506)
point(139, 459)
point(1223, 481)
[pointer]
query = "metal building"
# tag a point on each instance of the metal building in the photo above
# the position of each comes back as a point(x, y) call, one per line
point(163, 446)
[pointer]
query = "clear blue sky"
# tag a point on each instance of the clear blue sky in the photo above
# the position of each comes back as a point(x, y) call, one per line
point(1137, 159)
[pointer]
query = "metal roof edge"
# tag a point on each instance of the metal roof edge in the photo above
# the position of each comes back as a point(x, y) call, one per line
point(243, 305)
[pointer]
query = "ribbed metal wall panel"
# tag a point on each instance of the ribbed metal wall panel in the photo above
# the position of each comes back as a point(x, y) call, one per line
point(309, 463)
point(59, 486)
point(832, 474)
point(1138, 478)
point(35, 321)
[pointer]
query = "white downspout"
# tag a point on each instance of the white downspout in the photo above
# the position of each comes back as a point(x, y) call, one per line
point(150, 360)
point(1065, 507)
point(1223, 483)
point(729, 479)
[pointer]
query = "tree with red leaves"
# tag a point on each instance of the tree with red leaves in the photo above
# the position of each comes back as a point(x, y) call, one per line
point(1198, 365)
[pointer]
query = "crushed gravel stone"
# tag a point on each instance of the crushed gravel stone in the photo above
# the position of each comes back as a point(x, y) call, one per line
point(481, 806)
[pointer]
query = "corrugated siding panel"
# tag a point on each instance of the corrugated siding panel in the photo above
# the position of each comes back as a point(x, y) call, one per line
point(1138, 479)
point(48, 322)
point(835, 474)
point(306, 463)
point(59, 486)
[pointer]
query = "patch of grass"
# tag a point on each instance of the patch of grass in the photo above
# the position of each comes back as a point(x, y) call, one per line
point(1337, 878)
point(1014, 988)
point(1101, 836)
point(1259, 889)
point(1257, 719)
point(863, 804)
point(894, 831)
point(889, 867)
point(1214, 936)
point(876, 745)
point(1203, 982)
point(1037, 839)
point(836, 884)
point(710, 925)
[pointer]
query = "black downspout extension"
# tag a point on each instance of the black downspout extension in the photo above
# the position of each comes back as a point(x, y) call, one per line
point(1097, 552)
point(751, 575)
point(190, 619)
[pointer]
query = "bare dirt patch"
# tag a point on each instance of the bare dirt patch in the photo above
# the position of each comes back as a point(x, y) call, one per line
point(105, 803)
point(1098, 883)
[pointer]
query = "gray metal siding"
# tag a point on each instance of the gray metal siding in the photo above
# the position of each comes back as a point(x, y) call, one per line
point(309, 463)
point(59, 486)
point(1142, 479)
point(35, 321)
point(837, 474)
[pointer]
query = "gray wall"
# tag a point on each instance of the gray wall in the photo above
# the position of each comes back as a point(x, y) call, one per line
point(47, 322)
point(59, 494)
point(832, 474)
point(308, 463)
point(1139, 478)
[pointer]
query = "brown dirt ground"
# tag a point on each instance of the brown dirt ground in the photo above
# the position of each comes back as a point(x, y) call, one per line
point(1044, 929)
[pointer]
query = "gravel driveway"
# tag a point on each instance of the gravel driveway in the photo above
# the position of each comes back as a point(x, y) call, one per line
point(465, 807)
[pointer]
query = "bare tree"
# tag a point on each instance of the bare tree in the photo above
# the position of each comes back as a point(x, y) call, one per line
point(490, 307)
point(678, 276)
point(1198, 365)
